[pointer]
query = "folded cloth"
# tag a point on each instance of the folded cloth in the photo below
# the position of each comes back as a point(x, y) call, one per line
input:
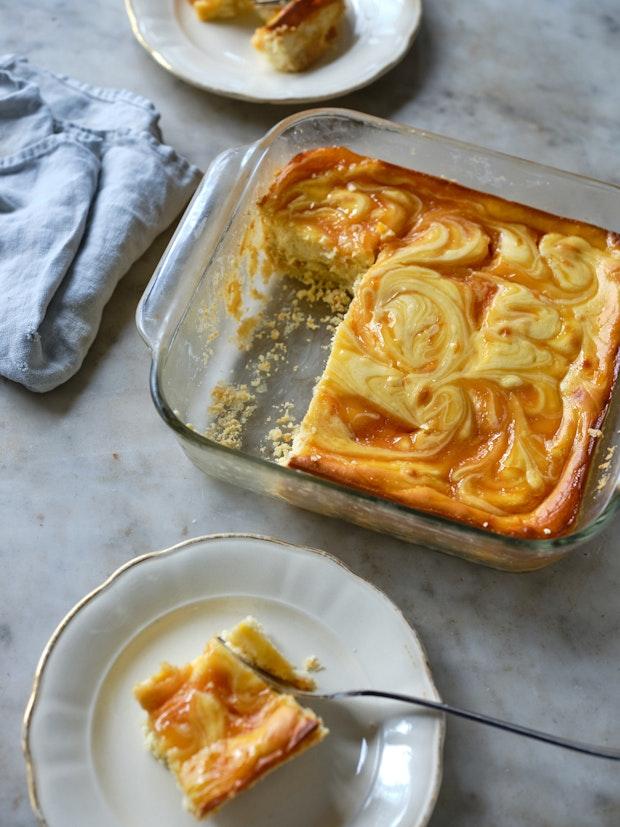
point(85, 187)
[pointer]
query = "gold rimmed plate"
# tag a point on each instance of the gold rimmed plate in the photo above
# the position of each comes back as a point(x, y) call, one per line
point(83, 737)
point(218, 56)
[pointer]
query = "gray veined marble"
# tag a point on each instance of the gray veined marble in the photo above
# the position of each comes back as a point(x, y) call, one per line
point(91, 476)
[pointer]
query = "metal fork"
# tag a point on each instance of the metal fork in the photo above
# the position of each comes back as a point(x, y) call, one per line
point(280, 685)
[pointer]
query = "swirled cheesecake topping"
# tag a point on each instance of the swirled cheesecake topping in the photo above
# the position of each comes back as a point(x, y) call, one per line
point(479, 350)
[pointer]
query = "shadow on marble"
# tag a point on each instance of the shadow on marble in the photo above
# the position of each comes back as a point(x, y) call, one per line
point(563, 789)
point(392, 92)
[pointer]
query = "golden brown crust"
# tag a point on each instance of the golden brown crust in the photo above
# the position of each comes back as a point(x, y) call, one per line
point(349, 166)
point(297, 12)
point(248, 639)
point(555, 515)
point(220, 9)
point(477, 358)
point(300, 33)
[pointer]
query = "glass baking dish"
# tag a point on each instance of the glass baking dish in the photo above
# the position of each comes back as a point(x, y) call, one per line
point(185, 320)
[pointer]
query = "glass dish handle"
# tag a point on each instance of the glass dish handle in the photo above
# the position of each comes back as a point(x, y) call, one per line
point(190, 248)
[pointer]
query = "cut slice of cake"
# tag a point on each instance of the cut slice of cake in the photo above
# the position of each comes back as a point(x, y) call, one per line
point(218, 726)
point(300, 33)
point(249, 640)
point(220, 9)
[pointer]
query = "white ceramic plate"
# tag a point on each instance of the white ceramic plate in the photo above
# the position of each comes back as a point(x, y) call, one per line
point(219, 57)
point(83, 740)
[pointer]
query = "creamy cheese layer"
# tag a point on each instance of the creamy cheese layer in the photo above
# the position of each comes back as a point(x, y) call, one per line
point(479, 350)
point(218, 726)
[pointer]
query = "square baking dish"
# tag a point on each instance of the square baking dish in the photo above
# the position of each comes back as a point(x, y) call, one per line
point(185, 319)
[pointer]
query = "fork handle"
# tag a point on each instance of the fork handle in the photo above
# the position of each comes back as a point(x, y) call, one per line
point(576, 746)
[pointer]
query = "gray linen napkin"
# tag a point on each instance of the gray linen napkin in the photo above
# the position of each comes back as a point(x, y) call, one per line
point(85, 187)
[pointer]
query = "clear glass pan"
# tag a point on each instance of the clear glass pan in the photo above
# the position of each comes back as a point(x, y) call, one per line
point(184, 304)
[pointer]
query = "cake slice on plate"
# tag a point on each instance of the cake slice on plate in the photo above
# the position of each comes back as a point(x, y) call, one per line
point(218, 726)
point(300, 33)
point(225, 9)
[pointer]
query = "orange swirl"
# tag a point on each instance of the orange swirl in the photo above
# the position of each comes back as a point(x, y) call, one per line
point(477, 354)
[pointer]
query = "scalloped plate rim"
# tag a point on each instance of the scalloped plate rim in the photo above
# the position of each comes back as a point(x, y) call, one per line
point(110, 582)
point(160, 57)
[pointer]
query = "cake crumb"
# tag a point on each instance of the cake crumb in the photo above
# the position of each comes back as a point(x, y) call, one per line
point(313, 664)
point(281, 452)
point(245, 331)
point(312, 303)
point(234, 303)
point(232, 406)
point(604, 466)
point(595, 432)
point(264, 365)
point(602, 482)
point(281, 437)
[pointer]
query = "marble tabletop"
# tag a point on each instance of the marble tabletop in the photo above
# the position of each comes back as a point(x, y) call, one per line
point(92, 477)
